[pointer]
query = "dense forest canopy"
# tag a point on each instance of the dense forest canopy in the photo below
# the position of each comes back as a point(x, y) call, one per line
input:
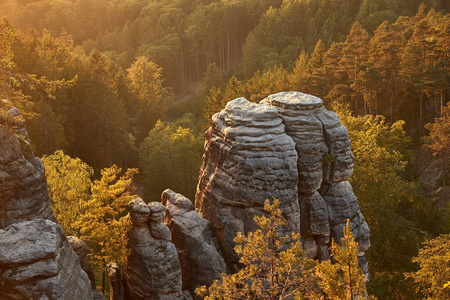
point(134, 83)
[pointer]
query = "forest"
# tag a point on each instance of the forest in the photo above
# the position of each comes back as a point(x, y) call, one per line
point(117, 96)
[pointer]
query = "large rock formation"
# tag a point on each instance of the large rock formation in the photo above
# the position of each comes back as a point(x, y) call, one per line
point(36, 259)
point(288, 147)
point(248, 158)
point(152, 270)
point(23, 193)
point(199, 257)
point(325, 165)
point(37, 262)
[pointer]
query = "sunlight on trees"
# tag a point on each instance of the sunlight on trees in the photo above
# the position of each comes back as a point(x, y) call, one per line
point(275, 266)
point(434, 262)
point(69, 184)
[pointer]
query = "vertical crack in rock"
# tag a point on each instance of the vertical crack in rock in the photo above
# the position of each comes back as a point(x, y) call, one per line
point(248, 158)
point(23, 193)
point(152, 269)
point(200, 260)
point(325, 164)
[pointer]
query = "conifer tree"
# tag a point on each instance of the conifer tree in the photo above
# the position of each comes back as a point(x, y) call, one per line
point(434, 262)
point(102, 223)
point(341, 278)
point(270, 270)
point(440, 138)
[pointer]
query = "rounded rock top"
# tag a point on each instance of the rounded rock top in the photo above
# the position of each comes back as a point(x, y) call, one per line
point(240, 110)
point(295, 100)
point(156, 207)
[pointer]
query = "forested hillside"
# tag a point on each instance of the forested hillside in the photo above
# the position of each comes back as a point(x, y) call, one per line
point(134, 83)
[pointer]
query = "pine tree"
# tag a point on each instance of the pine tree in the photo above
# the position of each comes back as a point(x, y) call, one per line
point(341, 278)
point(440, 138)
point(270, 269)
point(102, 223)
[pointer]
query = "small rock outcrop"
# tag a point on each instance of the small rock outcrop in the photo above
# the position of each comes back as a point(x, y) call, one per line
point(37, 262)
point(116, 288)
point(152, 269)
point(23, 193)
point(82, 251)
point(200, 260)
point(248, 158)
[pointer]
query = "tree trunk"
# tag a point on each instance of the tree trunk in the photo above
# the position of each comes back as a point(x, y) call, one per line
point(445, 168)
point(228, 50)
point(421, 114)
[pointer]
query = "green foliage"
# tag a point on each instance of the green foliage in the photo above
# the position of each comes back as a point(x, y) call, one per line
point(68, 181)
point(434, 262)
point(385, 197)
point(170, 158)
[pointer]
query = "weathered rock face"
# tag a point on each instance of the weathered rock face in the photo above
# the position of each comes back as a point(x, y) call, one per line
point(23, 193)
point(325, 165)
point(248, 158)
point(288, 147)
point(116, 288)
point(37, 262)
point(82, 251)
point(199, 256)
point(152, 270)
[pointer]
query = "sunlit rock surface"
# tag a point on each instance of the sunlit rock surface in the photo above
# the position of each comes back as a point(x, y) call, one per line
point(248, 158)
point(23, 188)
point(287, 147)
point(37, 262)
point(152, 269)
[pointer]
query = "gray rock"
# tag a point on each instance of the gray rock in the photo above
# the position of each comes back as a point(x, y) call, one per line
point(116, 288)
point(325, 163)
point(82, 251)
point(152, 270)
point(23, 189)
point(288, 147)
point(201, 262)
point(37, 262)
point(248, 159)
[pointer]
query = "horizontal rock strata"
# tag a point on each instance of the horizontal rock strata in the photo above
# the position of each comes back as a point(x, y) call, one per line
point(248, 158)
point(37, 262)
point(23, 193)
point(325, 165)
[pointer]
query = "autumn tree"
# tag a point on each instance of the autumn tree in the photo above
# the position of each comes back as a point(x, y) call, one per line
point(270, 269)
point(103, 224)
point(69, 184)
point(440, 137)
point(341, 278)
point(145, 79)
point(434, 262)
